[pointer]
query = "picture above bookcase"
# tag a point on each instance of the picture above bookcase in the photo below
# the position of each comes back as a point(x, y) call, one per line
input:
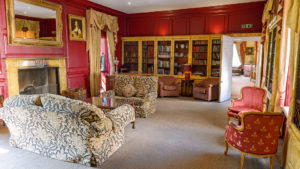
point(181, 55)
point(131, 56)
point(199, 57)
point(148, 56)
point(163, 57)
point(216, 58)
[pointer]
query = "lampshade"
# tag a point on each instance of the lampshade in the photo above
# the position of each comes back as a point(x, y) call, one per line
point(186, 68)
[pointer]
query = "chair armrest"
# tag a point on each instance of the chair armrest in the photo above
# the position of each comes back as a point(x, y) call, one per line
point(109, 93)
point(150, 96)
point(237, 102)
point(121, 116)
point(102, 127)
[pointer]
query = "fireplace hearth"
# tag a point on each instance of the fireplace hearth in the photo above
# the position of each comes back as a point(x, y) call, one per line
point(36, 76)
point(38, 80)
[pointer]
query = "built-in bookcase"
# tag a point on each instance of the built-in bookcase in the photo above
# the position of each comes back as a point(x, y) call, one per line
point(131, 55)
point(181, 55)
point(216, 57)
point(163, 57)
point(148, 56)
point(199, 57)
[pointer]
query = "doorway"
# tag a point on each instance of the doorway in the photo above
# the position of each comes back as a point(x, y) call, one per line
point(241, 62)
point(244, 65)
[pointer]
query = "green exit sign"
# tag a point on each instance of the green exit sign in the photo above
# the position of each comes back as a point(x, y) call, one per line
point(246, 26)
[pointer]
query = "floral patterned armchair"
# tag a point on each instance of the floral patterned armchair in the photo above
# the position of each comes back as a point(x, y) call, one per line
point(252, 101)
point(144, 99)
point(257, 135)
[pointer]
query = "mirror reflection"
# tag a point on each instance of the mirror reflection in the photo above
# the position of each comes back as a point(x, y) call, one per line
point(34, 22)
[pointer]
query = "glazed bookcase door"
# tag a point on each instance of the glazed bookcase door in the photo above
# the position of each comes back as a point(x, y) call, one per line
point(199, 57)
point(181, 55)
point(215, 58)
point(164, 50)
point(131, 55)
point(148, 57)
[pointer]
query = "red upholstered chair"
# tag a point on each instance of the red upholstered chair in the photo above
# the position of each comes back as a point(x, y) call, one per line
point(207, 89)
point(257, 135)
point(252, 100)
point(168, 86)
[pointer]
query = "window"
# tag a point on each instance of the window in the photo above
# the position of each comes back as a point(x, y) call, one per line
point(271, 59)
point(236, 62)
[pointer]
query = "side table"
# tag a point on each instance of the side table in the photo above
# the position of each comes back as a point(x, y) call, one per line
point(108, 104)
point(187, 87)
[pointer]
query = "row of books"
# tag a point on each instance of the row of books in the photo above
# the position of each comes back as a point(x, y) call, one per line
point(130, 53)
point(163, 71)
point(131, 60)
point(199, 55)
point(216, 48)
point(216, 56)
point(164, 48)
point(163, 56)
point(148, 51)
point(199, 62)
point(200, 49)
point(216, 41)
point(161, 63)
point(148, 43)
point(215, 62)
point(200, 42)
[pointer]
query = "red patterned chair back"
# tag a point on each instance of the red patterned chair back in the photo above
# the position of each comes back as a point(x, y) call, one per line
point(253, 97)
point(258, 133)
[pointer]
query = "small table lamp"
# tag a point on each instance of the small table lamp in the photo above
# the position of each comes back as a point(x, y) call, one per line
point(187, 69)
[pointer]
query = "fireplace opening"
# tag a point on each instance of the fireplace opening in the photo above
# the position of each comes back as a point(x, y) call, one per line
point(39, 80)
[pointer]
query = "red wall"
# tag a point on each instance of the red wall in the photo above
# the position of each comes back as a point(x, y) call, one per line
point(74, 51)
point(207, 20)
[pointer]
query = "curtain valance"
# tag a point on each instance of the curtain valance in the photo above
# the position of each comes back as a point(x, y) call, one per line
point(99, 20)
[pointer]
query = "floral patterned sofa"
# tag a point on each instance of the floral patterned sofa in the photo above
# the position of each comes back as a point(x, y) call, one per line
point(65, 129)
point(146, 92)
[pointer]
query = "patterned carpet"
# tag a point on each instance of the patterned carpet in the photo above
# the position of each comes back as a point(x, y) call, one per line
point(183, 134)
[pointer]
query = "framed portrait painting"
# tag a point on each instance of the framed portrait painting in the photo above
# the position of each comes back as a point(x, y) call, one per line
point(250, 51)
point(77, 29)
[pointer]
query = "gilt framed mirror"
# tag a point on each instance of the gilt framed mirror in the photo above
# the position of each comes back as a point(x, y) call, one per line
point(34, 23)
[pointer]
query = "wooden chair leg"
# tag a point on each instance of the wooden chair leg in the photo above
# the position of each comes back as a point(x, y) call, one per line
point(133, 124)
point(242, 160)
point(226, 148)
point(271, 161)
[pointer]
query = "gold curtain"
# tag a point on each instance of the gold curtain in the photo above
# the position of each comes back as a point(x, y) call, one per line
point(97, 21)
point(112, 47)
point(293, 19)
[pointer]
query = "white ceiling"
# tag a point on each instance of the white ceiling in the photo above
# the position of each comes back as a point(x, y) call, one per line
point(29, 10)
point(139, 6)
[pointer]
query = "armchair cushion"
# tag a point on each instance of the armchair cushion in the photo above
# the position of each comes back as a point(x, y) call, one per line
point(145, 84)
point(121, 82)
point(200, 90)
point(129, 90)
point(170, 87)
point(238, 109)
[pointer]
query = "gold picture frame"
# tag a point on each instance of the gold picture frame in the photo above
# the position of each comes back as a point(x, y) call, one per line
point(77, 28)
point(249, 50)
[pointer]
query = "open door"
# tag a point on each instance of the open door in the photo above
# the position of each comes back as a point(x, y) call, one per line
point(226, 68)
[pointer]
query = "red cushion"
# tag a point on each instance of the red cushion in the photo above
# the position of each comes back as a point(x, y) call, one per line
point(238, 109)
point(201, 89)
point(170, 88)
